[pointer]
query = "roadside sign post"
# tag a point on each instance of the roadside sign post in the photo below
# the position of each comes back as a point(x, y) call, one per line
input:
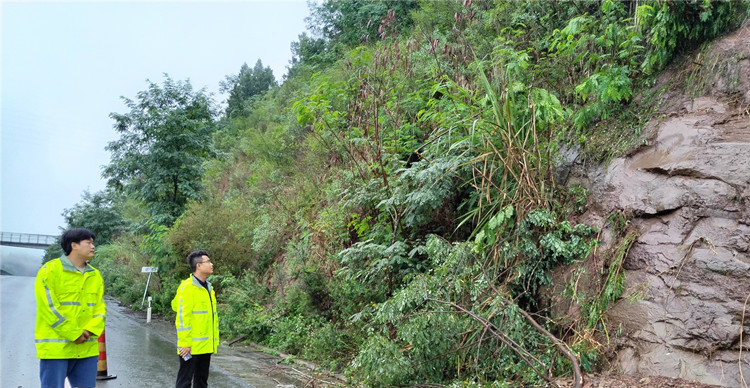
point(148, 311)
point(150, 270)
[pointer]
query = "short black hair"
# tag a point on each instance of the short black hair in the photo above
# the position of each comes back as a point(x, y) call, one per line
point(75, 235)
point(193, 257)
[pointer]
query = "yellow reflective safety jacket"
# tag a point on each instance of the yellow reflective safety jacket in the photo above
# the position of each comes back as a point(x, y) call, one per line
point(68, 301)
point(197, 320)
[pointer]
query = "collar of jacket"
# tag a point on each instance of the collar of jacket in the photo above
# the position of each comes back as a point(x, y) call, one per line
point(68, 265)
point(197, 283)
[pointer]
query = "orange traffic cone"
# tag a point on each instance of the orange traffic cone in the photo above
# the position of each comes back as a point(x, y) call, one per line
point(101, 365)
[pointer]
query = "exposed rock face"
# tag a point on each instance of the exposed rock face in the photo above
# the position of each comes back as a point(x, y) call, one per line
point(688, 272)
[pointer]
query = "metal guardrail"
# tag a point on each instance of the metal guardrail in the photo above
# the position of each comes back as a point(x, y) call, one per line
point(27, 240)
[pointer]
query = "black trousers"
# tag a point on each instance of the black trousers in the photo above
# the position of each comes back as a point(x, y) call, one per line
point(194, 372)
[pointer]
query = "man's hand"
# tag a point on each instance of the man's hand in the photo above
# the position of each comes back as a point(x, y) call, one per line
point(83, 337)
point(184, 352)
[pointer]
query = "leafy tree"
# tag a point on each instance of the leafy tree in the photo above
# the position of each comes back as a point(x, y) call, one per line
point(164, 140)
point(352, 23)
point(337, 26)
point(311, 51)
point(100, 212)
point(52, 252)
point(248, 83)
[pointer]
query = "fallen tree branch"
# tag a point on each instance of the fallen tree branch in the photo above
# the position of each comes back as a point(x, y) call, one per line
point(578, 377)
point(509, 342)
point(234, 341)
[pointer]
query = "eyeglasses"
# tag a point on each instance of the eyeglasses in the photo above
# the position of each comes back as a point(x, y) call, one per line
point(202, 262)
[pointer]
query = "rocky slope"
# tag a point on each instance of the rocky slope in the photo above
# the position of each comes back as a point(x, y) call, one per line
point(686, 192)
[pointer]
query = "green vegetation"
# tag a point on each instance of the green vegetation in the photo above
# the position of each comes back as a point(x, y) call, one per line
point(389, 210)
point(163, 141)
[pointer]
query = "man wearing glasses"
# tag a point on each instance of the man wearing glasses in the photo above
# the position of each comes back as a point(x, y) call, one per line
point(70, 313)
point(197, 323)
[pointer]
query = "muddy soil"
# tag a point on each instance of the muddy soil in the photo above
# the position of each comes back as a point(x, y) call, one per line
point(635, 381)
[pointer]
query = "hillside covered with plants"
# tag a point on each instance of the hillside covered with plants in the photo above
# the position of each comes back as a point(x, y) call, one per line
point(390, 210)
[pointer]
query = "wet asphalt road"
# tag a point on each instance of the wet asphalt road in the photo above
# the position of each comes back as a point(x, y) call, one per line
point(136, 353)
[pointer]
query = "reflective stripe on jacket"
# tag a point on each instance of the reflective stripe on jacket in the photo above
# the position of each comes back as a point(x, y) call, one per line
point(68, 301)
point(197, 320)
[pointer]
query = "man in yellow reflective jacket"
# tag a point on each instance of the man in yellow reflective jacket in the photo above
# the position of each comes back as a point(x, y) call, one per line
point(197, 322)
point(70, 314)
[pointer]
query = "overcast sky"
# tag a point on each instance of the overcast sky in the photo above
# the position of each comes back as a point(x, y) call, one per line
point(66, 64)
